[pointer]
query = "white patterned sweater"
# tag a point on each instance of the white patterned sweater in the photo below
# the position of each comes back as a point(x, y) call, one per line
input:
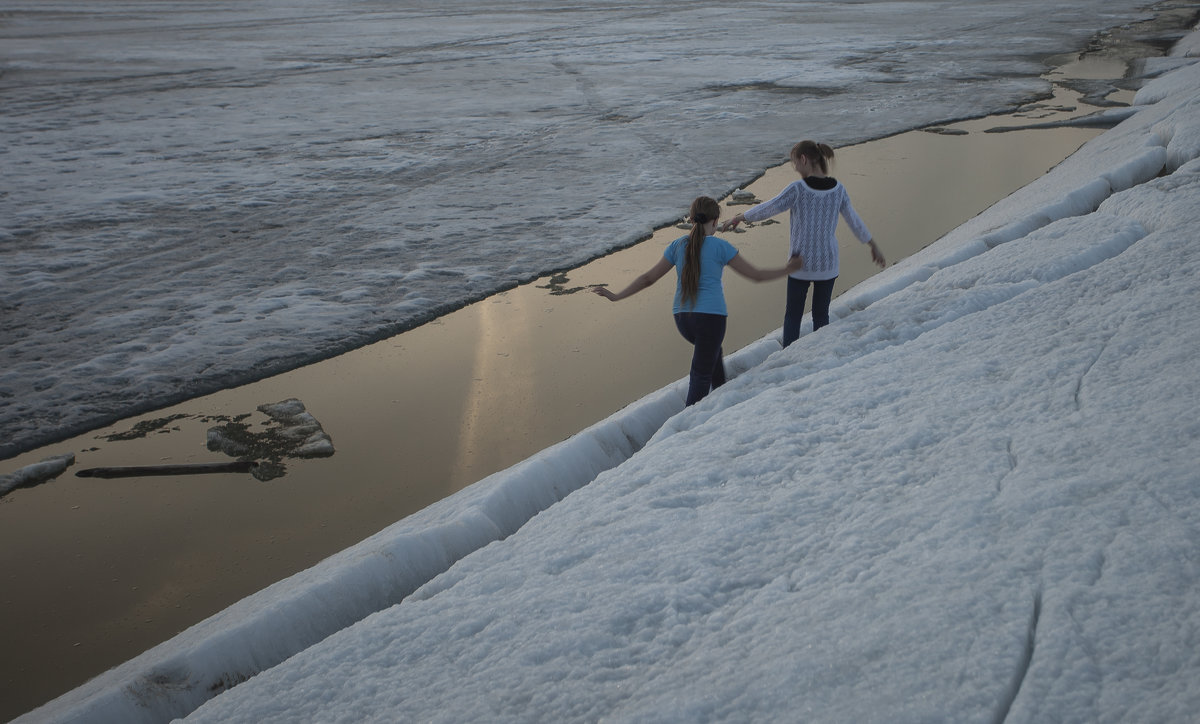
point(814, 220)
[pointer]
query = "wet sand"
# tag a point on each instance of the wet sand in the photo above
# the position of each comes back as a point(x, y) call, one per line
point(95, 571)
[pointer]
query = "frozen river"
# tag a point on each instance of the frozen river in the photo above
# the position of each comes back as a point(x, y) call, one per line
point(198, 194)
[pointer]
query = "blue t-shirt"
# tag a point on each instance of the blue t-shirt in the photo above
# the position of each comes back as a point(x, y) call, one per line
point(714, 255)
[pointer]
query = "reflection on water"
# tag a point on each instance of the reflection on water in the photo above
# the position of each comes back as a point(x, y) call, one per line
point(95, 572)
point(502, 396)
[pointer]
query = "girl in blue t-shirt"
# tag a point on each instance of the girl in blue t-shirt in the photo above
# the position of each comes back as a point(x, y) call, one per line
point(699, 260)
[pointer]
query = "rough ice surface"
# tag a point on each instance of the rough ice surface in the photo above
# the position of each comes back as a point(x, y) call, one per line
point(972, 498)
point(200, 194)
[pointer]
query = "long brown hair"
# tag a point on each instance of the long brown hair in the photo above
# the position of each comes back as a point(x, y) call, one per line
point(704, 210)
point(818, 154)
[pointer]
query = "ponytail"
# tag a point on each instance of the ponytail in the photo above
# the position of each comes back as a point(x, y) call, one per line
point(818, 154)
point(704, 210)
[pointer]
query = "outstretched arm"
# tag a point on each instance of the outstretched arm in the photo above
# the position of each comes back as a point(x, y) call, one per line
point(643, 281)
point(731, 223)
point(782, 202)
point(748, 270)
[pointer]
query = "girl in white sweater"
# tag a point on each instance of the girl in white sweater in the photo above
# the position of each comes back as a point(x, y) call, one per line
point(815, 202)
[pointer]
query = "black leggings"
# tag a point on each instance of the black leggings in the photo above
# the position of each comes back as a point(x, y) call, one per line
point(706, 332)
point(797, 291)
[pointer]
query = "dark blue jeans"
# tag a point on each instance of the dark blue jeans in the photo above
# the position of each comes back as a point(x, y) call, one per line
point(797, 292)
point(706, 332)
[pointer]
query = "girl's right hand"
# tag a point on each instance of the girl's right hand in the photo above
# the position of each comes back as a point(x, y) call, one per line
point(877, 255)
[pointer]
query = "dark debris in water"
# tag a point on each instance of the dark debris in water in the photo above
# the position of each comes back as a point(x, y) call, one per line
point(943, 131)
point(741, 197)
point(558, 285)
point(144, 429)
point(292, 432)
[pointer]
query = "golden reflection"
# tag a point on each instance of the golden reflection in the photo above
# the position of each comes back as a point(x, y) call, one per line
point(501, 390)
